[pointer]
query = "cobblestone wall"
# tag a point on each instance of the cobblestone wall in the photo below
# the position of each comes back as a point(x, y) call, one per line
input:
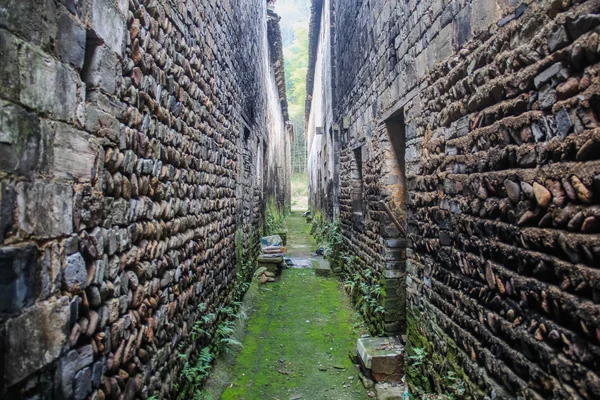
point(132, 136)
point(496, 103)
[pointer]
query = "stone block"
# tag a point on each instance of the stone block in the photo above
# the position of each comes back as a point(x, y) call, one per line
point(45, 210)
point(382, 357)
point(47, 86)
point(34, 20)
point(7, 209)
point(70, 41)
point(557, 39)
point(321, 266)
point(547, 74)
point(101, 68)
point(17, 278)
point(108, 24)
point(35, 339)
point(64, 375)
point(102, 123)
point(564, 125)
point(72, 154)
point(421, 65)
point(390, 391)
point(483, 14)
point(50, 270)
point(85, 356)
point(9, 66)
point(82, 384)
point(19, 139)
point(75, 275)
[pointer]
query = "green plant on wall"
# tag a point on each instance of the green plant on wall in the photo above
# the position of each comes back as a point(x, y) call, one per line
point(273, 217)
point(365, 286)
point(430, 371)
point(194, 374)
point(245, 263)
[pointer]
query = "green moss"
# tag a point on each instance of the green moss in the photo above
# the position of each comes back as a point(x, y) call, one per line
point(302, 321)
point(436, 372)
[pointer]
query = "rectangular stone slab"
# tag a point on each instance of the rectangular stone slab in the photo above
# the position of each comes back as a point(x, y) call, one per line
point(383, 356)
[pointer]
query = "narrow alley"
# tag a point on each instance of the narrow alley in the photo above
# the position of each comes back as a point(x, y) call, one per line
point(152, 154)
point(300, 335)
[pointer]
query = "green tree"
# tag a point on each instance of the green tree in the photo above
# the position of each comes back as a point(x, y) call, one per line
point(296, 66)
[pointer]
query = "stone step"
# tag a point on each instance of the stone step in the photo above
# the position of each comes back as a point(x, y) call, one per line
point(390, 391)
point(321, 266)
point(382, 358)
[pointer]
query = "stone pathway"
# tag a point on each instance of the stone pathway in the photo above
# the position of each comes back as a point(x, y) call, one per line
point(300, 335)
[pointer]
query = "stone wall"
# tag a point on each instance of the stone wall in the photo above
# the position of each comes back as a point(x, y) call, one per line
point(495, 107)
point(132, 136)
point(322, 163)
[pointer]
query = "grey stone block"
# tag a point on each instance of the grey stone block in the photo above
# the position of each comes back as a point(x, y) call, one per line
point(483, 14)
point(580, 24)
point(19, 139)
point(97, 372)
point(47, 86)
point(45, 209)
point(34, 20)
point(9, 65)
point(35, 339)
point(547, 97)
point(108, 24)
point(85, 356)
point(17, 278)
point(101, 68)
point(72, 154)
point(557, 39)
point(547, 74)
point(7, 209)
point(564, 125)
point(75, 274)
point(70, 41)
point(82, 384)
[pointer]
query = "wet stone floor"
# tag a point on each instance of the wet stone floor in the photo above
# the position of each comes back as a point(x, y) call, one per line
point(300, 336)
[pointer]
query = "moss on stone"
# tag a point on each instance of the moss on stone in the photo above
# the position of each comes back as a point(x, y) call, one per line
point(437, 372)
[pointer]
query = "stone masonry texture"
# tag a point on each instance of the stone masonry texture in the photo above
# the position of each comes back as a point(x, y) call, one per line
point(139, 141)
point(494, 105)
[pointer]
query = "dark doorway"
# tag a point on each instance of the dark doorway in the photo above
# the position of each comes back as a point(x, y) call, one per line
point(394, 227)
point(357, 182)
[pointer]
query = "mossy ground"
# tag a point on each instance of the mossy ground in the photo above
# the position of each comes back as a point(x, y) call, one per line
point(299, 241)
point(299, 337)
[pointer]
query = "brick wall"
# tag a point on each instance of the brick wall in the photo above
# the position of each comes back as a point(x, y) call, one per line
point(496, 105)
point(132, 136)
